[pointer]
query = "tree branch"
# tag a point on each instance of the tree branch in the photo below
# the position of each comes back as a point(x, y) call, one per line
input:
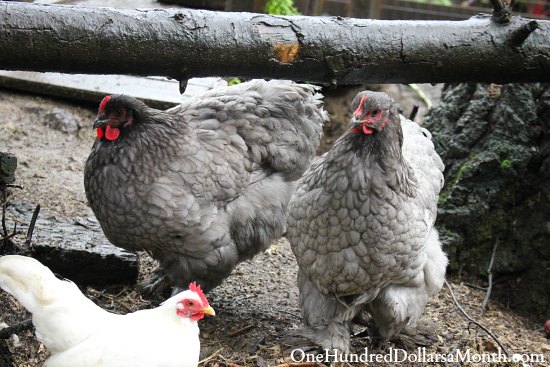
point(469, 318)
point(30, 231)
point(183, 43)
point(501, 12)
point(490, 279)
point(519, 35)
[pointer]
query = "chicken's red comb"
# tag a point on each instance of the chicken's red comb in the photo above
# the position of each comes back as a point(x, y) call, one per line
point(357, 112)
point(197, 289)
point(103, 104)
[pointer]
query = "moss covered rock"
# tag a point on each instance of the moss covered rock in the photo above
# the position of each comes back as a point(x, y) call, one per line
point(495, 143)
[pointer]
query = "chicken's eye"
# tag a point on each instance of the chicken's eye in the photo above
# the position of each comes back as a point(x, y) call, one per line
point(189, 303)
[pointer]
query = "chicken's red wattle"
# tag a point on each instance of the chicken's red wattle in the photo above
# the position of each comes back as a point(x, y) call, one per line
point(110, 133)
point(366, 130)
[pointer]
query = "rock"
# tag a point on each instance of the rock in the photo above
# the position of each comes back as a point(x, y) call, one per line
point(494, 142)
point(8, 165)
point(14, 342)
point(75, 248)
point(59, 118)
point(62, 120)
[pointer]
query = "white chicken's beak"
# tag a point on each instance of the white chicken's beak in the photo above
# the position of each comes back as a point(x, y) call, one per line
point(208, 311)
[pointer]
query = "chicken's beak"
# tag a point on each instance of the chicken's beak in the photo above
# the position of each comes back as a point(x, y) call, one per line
point(99, 123)
point(354, 122)
point(362, 125)
point(209, 311)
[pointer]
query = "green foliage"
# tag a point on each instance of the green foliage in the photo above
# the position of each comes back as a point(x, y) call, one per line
point(505, 164)
point(281, 7)
point(444, 195)
point(233, 81)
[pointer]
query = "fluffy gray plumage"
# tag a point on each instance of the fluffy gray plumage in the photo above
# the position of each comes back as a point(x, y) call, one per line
point(205, 185)
point(361, 225)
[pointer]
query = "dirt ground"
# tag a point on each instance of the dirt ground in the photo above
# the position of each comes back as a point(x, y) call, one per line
point(257, 306)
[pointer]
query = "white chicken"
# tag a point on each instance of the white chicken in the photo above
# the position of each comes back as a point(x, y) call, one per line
point(79, 333)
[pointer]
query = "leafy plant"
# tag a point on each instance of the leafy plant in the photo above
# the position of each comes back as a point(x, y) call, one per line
point(281, 7)
point(505, 164)
point(233, 81)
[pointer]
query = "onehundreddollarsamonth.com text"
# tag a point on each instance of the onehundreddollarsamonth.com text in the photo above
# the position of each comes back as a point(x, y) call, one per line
point(420, 355)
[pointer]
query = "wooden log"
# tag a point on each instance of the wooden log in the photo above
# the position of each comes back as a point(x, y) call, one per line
point(183, 43)
point(8, 165)
point(98, 264)
point(199, 4)
point(77, 250)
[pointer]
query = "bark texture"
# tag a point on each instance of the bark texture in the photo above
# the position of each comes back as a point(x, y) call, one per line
point(494, 142)
point(182, 43)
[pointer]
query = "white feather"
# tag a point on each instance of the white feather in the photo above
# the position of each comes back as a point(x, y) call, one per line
point(79, 333)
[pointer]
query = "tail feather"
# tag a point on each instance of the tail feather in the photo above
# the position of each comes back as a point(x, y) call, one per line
point(279, 122)
point(62, 315)
point(33, 284)
point(293, 129)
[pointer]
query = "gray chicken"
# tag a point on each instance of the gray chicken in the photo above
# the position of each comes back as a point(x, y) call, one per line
point(204, 185)
point(361, 225)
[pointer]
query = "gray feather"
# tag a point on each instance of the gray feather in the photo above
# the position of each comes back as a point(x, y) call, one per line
point(209, 180)
point(361, 227)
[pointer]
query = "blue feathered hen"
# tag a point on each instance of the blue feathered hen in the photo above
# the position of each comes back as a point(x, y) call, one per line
point(361, 225)
point(205, 185)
